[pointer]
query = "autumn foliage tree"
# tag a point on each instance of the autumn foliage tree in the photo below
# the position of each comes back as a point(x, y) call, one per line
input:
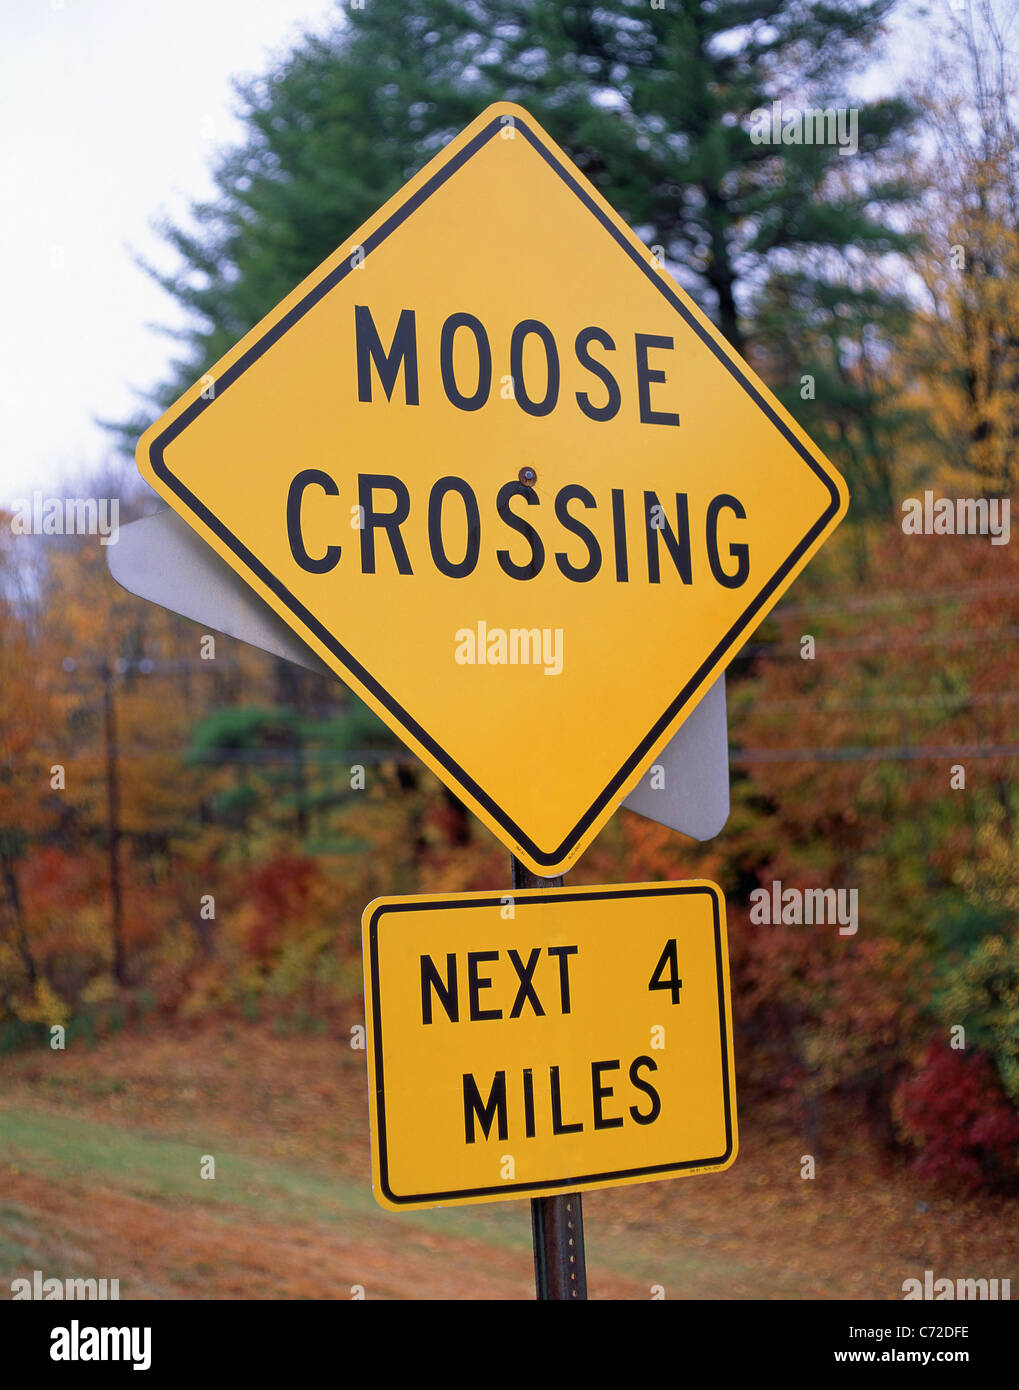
point(965, 344)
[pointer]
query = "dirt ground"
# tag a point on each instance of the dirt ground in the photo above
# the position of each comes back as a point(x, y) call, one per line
point(101, 1151)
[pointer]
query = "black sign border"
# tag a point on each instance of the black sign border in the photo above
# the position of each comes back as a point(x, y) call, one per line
point(518, 1189)
point(559, 855)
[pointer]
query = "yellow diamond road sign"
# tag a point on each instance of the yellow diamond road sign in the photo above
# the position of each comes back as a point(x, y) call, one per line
point(547, 1041)
point(505, 478)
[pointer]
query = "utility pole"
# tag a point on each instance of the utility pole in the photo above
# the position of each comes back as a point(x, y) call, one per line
point(113, 824)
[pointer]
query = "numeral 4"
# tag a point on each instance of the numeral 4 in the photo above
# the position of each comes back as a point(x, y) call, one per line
point(671, 981)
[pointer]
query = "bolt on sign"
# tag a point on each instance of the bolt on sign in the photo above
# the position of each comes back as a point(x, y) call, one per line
point(502, 475)
point(547, 1041)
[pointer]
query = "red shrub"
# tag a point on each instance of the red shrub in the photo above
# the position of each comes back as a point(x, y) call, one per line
point(280, 893)
point(955, 1110)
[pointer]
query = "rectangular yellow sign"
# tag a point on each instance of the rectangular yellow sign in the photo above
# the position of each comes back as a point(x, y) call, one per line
point(541, 1041)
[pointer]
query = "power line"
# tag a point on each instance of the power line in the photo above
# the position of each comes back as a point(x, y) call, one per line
point(403, 757)
point(797, 703)
point(151, 666)
point(902, 753)
point(869, 644)
point(902, 598)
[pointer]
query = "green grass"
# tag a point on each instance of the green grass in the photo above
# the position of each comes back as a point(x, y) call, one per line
point(166, 1170)
point(28, 1242)
point(150, 1166)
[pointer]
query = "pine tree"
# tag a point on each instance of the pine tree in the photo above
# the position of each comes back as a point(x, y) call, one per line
point(653, 102)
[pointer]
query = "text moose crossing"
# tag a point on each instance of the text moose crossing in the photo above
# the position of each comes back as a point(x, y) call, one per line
point(623, 535)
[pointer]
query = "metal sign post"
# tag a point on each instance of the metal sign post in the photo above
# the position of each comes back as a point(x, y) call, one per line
point(557, 1223)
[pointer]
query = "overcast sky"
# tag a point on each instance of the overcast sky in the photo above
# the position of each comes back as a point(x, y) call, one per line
point(111, 113)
